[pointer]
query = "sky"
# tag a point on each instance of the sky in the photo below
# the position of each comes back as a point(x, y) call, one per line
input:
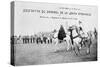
point(28, 23)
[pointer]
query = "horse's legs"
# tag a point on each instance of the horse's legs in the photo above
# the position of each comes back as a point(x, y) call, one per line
point(88, 46)
point(75, 52)
point(57, 41)
point(69, 45)
point(88, 51)
point(76, 49)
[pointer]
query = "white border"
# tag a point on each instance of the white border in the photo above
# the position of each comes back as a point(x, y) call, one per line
point(5, 33)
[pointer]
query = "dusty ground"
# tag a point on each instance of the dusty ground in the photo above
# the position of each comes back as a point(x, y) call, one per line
point(32, 54)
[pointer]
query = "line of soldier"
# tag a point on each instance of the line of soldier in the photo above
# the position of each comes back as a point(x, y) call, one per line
point(30, 39)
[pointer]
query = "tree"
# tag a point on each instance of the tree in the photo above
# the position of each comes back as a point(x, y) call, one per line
point(61, 33)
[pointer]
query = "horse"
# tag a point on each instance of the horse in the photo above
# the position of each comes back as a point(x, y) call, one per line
point(84, 41)
point(77, 41)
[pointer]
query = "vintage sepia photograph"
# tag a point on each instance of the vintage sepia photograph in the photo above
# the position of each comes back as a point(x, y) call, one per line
point(49, 33)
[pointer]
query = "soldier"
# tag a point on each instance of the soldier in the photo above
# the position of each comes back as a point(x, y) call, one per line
point(38, 40)
point(95, 33)
point(25, 39)
point(44, 39)
point(80, 28)
point(71, 36)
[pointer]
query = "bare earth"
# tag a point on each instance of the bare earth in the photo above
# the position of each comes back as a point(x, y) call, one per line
point(34, 54)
